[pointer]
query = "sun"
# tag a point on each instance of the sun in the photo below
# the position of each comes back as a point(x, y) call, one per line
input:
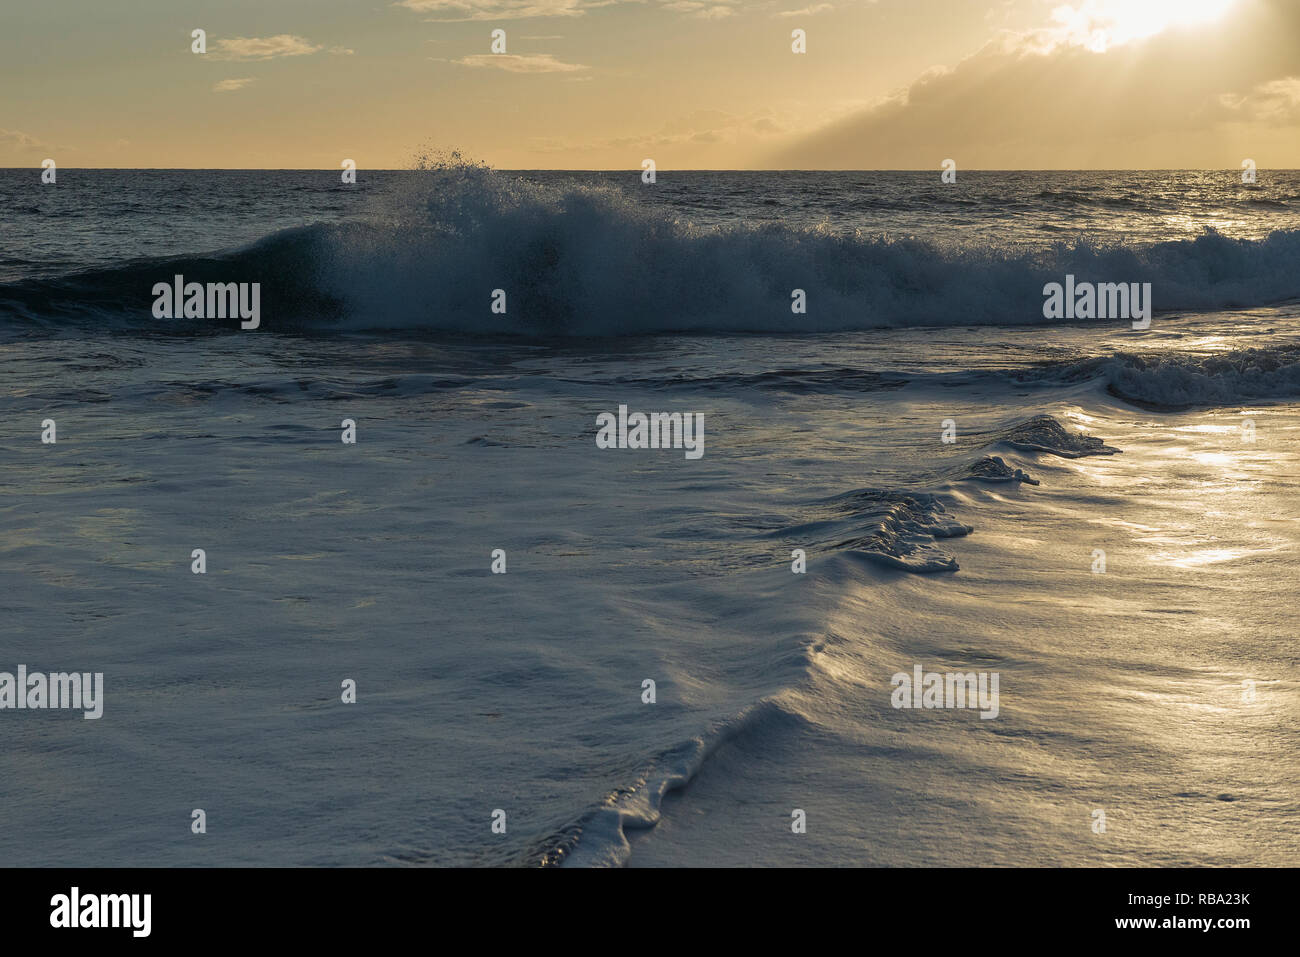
point(1101, 24)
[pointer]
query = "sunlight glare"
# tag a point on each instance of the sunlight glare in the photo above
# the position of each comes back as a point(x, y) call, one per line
point(1101, 24)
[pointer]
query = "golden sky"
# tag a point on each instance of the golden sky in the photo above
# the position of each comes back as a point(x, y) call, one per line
point(692, 84)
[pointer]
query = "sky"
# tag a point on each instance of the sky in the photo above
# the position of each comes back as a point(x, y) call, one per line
point(691, 84)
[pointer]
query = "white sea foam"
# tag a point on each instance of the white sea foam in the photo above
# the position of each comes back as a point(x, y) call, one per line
point(578, 260)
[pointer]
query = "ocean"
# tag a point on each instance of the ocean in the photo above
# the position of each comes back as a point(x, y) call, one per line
point(567, 653)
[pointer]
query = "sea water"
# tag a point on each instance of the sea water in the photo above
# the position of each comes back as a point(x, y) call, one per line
point(568, 653)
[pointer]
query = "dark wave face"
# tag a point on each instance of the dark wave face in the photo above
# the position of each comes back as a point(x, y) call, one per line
point(604, 255)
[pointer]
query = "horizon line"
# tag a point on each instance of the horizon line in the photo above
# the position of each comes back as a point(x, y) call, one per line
point(661, 169)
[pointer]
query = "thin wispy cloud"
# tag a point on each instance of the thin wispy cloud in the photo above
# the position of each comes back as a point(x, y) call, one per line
point(229, 86)
point(513, 63)
point(264, 48)
point(699, 128)
point(701, 10)
point(1277, 101)
point(461, 10)
point(807, 11)
point(17, 139)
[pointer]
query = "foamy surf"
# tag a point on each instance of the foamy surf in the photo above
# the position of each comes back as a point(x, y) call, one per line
point(583, 261)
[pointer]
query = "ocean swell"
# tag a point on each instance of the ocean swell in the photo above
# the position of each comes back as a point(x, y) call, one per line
point(593, 261)
point(1181, 380)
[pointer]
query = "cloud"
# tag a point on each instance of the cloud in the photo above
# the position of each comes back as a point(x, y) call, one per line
point(17, 139)
point(806, 11)
point(1277, 101)
point(512, 63)
point(702, 128)
point(229, 86)
point(1102, 24)
point(264, 48)
point(461, 10)
point(1033, 101)
point(700, 10)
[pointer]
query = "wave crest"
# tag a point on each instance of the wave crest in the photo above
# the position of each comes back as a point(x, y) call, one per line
point(1179, 380)
point(592, 261)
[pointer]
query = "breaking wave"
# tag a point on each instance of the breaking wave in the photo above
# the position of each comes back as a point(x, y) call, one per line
point(902, 528)
point(591, 261)
point(1178, 380)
